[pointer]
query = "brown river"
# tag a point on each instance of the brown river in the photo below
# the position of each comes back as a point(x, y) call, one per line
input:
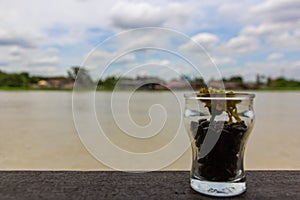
point(37, 130)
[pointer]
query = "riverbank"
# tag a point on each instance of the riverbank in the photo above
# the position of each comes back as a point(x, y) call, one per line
point(4, 88)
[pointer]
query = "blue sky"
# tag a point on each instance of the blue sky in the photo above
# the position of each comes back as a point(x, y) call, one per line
point(242, 37)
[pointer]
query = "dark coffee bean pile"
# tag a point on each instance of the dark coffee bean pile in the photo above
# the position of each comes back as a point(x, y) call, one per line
point(220, 164)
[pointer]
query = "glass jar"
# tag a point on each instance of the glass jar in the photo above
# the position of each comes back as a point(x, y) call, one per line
point(219, 126)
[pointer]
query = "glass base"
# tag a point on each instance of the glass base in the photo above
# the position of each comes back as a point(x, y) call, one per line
point(218, 189)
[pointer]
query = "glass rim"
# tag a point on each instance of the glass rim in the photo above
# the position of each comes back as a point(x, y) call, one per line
point(238, 96)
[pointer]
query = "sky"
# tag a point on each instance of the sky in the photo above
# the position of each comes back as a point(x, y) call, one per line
point(245, 38)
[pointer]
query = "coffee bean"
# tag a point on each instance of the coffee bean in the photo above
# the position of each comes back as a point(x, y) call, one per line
point(202, 120)
point(200, 135)
point(221, 162)
point(194, 128)
point(204, 124)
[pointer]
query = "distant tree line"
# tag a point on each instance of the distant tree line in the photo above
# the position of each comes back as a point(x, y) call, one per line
point(270, 83)
point(14, 79)
point(24, 80)
point(236, 79)
point(108, 83)
point(281, 82)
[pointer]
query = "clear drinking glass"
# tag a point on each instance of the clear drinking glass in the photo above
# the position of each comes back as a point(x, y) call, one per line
point(219, 126)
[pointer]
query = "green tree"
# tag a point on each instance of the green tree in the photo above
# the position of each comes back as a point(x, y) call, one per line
point(110, 82)
point(14, 79)
point(237, 79)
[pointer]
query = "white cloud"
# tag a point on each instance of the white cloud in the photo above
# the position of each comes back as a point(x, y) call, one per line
point(132, 15)
point(233, 11)
point(141, 14)
point(263, 30)
point(57, 33)
point(283, 36)
point(276, 11)
point(16, 58)
point(233, 70)
point(241, 45)
point(16, 51)
point(285, 41)
point(289, 69)
point(164, 62)
point(297, 32)
point(101, 58)
point(98, 58)
point(36, 26)
point(223, 61)
point(207, 40)
point(274, 56)
point(34, 15)
point(44, 61)
point(126, 59)
point(10, 38)
point(276, 23)
point(52, 50)
point(53, 23)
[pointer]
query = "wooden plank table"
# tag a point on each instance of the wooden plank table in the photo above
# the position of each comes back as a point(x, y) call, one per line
point(120, 185)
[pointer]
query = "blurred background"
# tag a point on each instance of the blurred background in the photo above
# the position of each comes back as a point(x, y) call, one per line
point(255, 44)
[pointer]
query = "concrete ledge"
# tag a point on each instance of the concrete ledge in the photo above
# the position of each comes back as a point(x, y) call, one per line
point(121, 185)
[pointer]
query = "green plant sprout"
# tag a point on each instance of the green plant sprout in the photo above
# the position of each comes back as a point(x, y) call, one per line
point(216, 107)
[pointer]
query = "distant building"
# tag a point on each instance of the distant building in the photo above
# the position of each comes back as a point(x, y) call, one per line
point(43, 84)
point(149, 83)
point(233, 86)
point(215, 84)
point(251, 86)
point(180, 84)
point(56, 83)
point(229, 85)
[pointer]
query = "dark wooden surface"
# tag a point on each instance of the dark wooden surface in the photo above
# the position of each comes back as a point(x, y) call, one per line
point(120, 185)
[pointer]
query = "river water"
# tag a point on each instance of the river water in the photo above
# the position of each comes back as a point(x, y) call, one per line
point(37, 129)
